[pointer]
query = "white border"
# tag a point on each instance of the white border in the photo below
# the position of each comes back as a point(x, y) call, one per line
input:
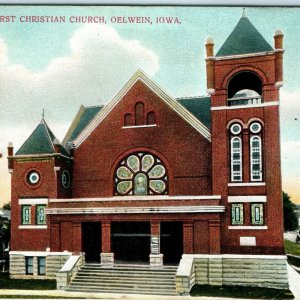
point(247, 184)
point(248, 199)
point(248, 227)
point(136, 198)
point(136, 210)
point(38, 253)
point(266, 104)
point(33, 227)
point(33, 201)
point(251, 256)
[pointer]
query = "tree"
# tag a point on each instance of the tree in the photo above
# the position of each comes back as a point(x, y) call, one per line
point(7, 206)
point(289, 214)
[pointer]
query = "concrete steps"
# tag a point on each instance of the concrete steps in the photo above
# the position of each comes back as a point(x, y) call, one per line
point(125, 279)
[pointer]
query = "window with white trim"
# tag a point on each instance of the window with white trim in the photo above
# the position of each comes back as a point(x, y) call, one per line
point(41, 265)
point(236, 168)
point(40, 214)
point(257, 214)
point(237, 214)
point(256, 172)
point(29, 265)
point(25, 214)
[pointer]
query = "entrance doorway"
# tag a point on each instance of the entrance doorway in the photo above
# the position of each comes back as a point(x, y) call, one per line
point(131, 241)
point(91, 241)
point(171, 241)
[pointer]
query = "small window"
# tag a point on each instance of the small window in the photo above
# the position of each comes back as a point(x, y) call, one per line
point(255, 127)
point(29, 265)
point(40, 214)
point(26, 214)
point(257, 214)
point(237, 214)
point(65, 179)
point(236, 128)
point(33, 178)
point(150, 118)
point(128, 120)
point(41, 265)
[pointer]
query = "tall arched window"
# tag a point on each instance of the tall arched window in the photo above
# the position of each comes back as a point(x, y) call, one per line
point(256, 173)
point(141, 174)
point(139, 114)
point(256, 161)
point(236, 153)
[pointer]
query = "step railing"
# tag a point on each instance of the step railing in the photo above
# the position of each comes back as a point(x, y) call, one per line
point(68, 271)
point(185, 276)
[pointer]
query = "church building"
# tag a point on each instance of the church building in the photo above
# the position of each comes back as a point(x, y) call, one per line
point(193, 183)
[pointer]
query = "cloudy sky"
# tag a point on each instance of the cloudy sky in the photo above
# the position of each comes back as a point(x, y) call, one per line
point(59, 66)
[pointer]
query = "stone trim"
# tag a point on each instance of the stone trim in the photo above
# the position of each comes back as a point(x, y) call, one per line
point(139, 126)
point(33, 227)
point(248, 227)
point(247, 184)
point(137, 210)
point(137, 198)
point(33, 201)
point(238, 199)
point(265, 104)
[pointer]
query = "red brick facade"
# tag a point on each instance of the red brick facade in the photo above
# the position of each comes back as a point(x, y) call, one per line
point(199, 187)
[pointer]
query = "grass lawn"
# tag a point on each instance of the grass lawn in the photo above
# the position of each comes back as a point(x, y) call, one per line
point(240, 292)
point(292, 248)
point(26, 284)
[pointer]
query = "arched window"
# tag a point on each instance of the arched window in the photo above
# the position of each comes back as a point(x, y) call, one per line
point(244, 88)
point(150, 118)
point(141, 174)
point(255, 157)
point(128, 120)
point(139, 114)
point(236, 169)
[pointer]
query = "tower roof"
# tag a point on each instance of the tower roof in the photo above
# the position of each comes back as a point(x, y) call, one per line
point(41, 141)
point(244, 38)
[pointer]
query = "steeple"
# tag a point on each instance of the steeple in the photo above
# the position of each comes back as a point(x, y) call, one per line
point(41, 141)
point(244, 39)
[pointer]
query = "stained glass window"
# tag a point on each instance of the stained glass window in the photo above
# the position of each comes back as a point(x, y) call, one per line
point(257, 214)
point(236, 159)
point(26, 214)
point(40, 214)
point(256, 161)
point(237, 214)
point(141, 174)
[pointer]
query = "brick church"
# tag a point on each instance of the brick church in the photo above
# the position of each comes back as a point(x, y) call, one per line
point(152, 180)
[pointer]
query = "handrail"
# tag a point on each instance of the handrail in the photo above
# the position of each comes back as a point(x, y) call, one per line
point(185, 276)
point(68, 271)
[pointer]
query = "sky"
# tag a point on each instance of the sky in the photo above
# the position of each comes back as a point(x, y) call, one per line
point(59, 66)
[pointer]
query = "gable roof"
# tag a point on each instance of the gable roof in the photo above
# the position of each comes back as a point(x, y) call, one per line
point(41, 141)
point(244, 38)
point(84, 116)
point(140, 75)
point(199, 107)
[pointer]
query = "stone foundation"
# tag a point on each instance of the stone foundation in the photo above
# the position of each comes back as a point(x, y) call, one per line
point(54, 262)
point(242, 270)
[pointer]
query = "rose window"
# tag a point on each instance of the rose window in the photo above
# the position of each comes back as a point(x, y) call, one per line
point(141, 174)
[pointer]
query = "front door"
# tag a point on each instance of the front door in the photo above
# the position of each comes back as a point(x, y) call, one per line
point(131, 241)
point(91, 241)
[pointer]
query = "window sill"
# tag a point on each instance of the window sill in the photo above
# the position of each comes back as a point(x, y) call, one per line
point(139, 126)
point(258, 227)
point(33, 227)
point(246, 184)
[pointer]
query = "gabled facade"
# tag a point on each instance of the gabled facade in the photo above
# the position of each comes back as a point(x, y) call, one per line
point(148, 178)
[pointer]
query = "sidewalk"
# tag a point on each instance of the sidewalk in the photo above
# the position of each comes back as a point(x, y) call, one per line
point(294, 282)
point(104, 296)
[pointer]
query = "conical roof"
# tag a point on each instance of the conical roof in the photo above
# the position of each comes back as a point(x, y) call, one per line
point(41, 141)
point(244, 38)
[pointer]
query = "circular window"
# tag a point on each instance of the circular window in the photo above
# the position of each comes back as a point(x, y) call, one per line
point(236, 128)
point(33, 177)
point(141, 174)
point(255, 127)
point(65, 179)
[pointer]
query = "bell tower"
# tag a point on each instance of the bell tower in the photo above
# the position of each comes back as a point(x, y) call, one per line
point(243, 79)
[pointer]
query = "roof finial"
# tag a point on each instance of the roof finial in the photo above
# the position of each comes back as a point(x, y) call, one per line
point(43, 114)
point(244, 13)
